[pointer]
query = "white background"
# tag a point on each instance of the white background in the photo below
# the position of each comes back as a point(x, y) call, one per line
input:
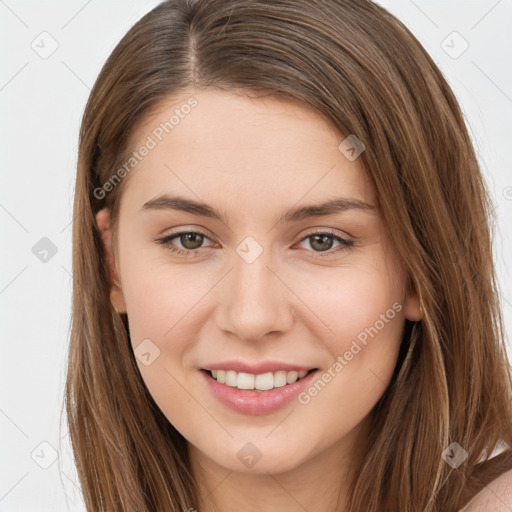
point(41, 103)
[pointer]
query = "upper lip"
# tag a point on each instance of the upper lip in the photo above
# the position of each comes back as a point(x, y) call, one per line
point(256, 369)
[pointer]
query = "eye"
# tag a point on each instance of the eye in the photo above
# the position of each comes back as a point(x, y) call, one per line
point(322, 242)
point(190, 241)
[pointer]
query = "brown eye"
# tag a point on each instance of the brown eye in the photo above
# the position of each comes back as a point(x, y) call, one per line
point(190, 242)
point(322, 242)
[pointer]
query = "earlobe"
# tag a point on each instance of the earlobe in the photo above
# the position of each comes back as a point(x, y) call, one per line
point(412, 305)
point(116, 294)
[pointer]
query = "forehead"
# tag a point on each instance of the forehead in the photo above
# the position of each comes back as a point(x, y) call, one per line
point(218, 145)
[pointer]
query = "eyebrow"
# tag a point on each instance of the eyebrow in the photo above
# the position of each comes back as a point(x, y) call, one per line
point(333, 206)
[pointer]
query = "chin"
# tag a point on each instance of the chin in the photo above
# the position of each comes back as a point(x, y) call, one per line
point(253, 460)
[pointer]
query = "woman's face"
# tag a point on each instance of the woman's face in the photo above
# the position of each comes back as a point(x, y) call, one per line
point(271, 287)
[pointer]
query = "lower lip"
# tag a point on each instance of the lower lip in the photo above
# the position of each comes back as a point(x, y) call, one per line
point(256, 403)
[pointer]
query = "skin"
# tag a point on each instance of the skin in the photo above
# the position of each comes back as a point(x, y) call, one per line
point(253, 159)
point(497, 496)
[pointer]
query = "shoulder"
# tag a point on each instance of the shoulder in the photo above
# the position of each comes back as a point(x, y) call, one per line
point(496, 496)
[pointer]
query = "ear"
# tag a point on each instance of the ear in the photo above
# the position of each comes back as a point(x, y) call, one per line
point(116, 294)
point(412, 305)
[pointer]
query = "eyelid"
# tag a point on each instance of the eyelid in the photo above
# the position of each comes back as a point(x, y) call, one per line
point(200, 231)
point(329, 231)
point(166, 238)
point(187, 229)
point(344, 241)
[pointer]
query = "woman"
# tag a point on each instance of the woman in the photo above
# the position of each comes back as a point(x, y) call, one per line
point(285, 296)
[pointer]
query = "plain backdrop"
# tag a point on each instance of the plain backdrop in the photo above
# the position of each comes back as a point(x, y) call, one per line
point(51, 54)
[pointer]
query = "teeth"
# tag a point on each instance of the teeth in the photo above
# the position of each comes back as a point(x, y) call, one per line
point(291, 377)
point(264, 381)
point(260, 382)
point(245, 381)
point(231, 378)
point(280, 379)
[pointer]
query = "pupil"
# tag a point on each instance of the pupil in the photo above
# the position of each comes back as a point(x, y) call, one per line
point(326, 242)
point(189, 237)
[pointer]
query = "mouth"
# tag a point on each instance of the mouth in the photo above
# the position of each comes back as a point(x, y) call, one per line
point(257, 393)
point(257, 382)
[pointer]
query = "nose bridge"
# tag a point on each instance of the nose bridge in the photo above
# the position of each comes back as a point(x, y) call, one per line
point(252, 278)
point(254, 303)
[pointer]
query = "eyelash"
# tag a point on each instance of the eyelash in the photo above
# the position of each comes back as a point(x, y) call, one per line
point(345, 244)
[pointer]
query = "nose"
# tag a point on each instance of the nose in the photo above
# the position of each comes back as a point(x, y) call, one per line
point(255, 300)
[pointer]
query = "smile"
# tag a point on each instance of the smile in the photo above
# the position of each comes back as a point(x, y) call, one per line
point(258, 382)
point(256, 393)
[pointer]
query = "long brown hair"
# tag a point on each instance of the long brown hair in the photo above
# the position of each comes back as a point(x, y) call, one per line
point(357, 65)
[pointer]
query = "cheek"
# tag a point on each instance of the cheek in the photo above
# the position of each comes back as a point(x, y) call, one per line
point(160, 297)
point(363, 308)
point(368, 322)
point(353, 300)
point(162, 304)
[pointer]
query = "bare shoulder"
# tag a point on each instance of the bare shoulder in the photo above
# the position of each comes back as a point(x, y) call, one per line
point(497, 496)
